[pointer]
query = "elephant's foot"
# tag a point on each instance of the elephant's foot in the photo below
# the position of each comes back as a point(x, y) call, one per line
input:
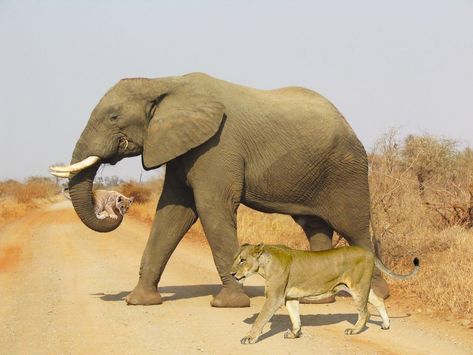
point(231, 297)
point(380, 287)
point(145, 297)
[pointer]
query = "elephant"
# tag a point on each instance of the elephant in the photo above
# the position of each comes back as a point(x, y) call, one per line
point(287, 151)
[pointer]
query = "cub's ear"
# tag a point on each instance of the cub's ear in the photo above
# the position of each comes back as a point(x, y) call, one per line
point(258, 250)
point(180, 123)
point(132, 198)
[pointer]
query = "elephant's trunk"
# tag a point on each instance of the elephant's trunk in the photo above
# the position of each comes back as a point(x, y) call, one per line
point(80, 191)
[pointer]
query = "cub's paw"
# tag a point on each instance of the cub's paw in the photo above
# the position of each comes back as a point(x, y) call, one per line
point(289, 334)
point(113, 216)
point(101, 215)
point(249, 339)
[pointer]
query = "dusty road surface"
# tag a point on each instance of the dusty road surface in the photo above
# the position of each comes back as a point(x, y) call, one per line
point(61, 287)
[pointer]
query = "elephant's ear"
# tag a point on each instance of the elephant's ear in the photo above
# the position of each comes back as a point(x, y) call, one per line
point(178, 127)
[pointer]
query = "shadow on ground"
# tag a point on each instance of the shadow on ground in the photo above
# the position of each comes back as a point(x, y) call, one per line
point(280, 322)
point(172, 293)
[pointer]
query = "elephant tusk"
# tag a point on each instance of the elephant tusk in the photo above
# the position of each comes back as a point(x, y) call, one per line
point(60, 175)
point(89, 161)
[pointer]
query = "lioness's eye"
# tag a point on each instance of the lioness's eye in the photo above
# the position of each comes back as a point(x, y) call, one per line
point(242, 261)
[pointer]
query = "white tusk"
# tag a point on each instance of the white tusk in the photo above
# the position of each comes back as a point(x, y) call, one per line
point(89, 161)
point(60, 175)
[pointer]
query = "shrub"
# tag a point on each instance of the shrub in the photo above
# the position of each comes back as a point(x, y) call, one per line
point(141, 193)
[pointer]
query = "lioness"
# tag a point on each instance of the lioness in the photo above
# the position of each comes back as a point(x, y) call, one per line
point(292, 274)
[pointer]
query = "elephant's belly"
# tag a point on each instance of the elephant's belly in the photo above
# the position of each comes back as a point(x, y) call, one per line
point(293, 209)
point(284, 188)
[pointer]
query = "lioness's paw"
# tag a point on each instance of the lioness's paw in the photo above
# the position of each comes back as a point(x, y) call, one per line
point(349, 331)
point(249, 339)
point(289, 334)
point(385, 326)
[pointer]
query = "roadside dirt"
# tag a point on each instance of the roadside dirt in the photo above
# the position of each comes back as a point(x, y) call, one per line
point(61, 287)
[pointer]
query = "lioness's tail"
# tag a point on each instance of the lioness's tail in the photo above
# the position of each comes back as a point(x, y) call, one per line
point(379, 264)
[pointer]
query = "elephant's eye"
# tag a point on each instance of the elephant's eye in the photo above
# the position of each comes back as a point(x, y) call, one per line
point(114, 117)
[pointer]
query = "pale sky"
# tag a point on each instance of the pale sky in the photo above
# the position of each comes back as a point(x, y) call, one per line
point(384, 64)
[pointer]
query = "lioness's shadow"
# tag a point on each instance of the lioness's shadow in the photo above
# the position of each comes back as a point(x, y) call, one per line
point(172, 293)
point(281, 322)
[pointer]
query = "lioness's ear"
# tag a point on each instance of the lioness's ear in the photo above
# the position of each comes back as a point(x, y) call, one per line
point(258, 250)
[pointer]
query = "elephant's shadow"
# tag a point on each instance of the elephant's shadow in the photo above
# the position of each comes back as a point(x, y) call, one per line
point(172, 293)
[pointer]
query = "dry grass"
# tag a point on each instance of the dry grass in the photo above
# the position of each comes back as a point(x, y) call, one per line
point(422, 205)
point(444, 284)
point(17, 198)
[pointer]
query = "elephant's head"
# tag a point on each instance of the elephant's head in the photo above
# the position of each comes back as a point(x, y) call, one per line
point(158, 118)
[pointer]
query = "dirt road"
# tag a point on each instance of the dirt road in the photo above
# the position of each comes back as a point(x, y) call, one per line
point(61, 287)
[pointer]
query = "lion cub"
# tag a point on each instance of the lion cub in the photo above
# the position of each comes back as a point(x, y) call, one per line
point(106, 202)
point(292, 274)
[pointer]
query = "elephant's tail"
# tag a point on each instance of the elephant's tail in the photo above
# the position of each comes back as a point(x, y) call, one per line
point(379, 264)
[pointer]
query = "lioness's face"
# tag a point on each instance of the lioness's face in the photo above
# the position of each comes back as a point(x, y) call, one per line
point(246, 263)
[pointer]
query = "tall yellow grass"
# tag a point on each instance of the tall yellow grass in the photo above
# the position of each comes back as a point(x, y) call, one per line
point(17, 199)
point(422, 205)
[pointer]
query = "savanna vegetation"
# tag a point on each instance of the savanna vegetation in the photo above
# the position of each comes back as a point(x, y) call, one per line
point(17, 198)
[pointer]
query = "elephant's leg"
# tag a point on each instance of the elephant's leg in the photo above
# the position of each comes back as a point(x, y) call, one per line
point(317, 231)
point(219, 222)
point(174, 216)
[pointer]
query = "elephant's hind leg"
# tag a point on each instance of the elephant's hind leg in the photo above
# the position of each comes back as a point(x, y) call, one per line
point(318, 232)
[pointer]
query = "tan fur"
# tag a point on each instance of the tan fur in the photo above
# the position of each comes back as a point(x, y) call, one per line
point(292, 274)
point(108, 202)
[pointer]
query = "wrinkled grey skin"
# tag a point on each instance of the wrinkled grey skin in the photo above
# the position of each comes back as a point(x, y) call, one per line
point(288, 151)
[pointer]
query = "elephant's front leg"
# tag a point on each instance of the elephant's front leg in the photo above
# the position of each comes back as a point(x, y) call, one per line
point(174, 216)
point(219, 221)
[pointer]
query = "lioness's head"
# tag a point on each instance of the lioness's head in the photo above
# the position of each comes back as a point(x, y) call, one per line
point(246, 261)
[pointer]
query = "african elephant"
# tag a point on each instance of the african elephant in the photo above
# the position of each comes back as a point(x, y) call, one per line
point(287, 151)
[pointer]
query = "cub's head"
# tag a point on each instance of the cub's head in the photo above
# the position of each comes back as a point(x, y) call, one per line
point(123, 204)
point(246, 261)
